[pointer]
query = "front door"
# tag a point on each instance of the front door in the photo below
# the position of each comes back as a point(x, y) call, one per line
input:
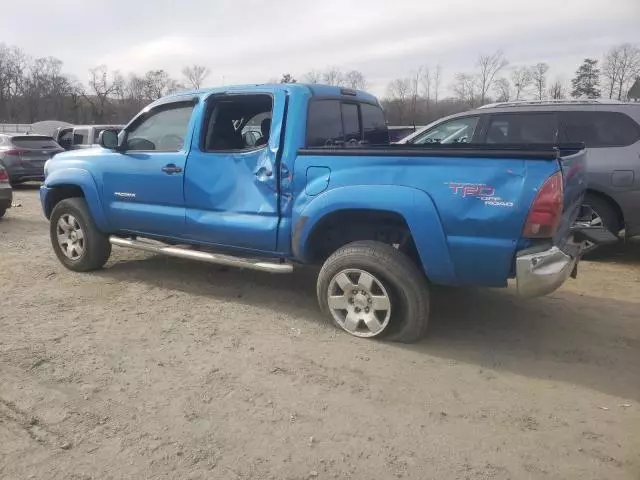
point(231, 181)
point(143, 185)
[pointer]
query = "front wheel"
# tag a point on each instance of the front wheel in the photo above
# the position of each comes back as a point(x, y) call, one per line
point(372, 290)
point(75, 238)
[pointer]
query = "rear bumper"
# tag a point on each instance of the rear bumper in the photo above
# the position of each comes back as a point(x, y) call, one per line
point(19, 173)
point(6, 197)
point(541, 273)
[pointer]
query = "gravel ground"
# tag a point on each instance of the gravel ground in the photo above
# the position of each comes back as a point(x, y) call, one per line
point(161, 368)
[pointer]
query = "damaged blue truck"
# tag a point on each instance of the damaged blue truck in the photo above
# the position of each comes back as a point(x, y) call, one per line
point(267, 177)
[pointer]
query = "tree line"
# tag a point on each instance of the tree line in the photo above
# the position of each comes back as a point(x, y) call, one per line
point(33, 89)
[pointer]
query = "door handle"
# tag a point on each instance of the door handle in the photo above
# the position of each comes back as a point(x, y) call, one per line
point(171, 168)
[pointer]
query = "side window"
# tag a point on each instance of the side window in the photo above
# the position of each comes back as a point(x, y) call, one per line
point(351, 123)
point(163, 130)
point(324, 125)
point(237, 122)
point(374, 125)
point(458, 130)
point(81, 136)
point(66, 138)
point(256, 131)
point(599, 129)
point(517, 128)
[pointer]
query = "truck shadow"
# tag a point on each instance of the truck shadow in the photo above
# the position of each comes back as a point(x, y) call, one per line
point(627, 253)
point(565, 337)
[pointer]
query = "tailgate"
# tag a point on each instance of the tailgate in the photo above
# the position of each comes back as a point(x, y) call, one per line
point(573, 162)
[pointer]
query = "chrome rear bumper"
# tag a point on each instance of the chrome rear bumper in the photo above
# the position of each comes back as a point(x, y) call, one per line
point(541, 273)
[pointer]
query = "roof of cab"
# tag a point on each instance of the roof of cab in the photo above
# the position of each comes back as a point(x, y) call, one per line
point(316, 90)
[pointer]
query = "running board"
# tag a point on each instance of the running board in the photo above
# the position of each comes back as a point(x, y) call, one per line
point(216, 258)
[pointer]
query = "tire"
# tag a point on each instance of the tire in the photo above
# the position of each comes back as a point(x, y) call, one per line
point(89, 249)
point(395, 277)
point(604, 215)
point(2, 211)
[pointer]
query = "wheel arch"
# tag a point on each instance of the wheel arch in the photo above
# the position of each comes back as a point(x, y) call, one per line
point(73, 183)
point(399, 205)
point(611, 202)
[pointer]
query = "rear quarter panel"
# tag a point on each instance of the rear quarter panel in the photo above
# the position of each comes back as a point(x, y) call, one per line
point(466, 214)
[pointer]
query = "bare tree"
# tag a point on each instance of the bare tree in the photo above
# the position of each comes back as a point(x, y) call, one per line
point(101, 87)
point(332, 76)
point(556, 90)
point(399, 93)
point(539, 76)
point(195, 75)
point(355, 79)
point(521, 79)
point(490, 66)
point(426, 80)
point(437, 80)
point(620, 67)
point(287, 78)
point(466, 87)
point(314, 76)
point(415, 94)
point(158, 83)
point(502, 89)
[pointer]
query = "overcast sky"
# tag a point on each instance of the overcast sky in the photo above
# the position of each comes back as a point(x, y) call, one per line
point(255, 40)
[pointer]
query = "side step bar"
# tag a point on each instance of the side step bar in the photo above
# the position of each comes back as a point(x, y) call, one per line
point(252, 264)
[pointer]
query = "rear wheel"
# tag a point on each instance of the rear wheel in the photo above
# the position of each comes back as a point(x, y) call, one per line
point(75, 238)
point(372, 290)
point(602, 215)
point(2, 211)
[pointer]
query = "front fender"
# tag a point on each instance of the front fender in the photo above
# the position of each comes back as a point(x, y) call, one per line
point(415, 206)
point(79, 178)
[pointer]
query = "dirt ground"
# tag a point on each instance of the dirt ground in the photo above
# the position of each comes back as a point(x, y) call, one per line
point(169, 369)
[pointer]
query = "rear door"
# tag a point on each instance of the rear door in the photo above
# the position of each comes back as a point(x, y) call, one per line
point(231, 181)
point(143, 185)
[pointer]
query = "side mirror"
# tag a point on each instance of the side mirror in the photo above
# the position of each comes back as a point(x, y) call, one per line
point(108, 139)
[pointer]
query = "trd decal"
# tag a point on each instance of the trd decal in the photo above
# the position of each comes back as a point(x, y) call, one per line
point(484, 193)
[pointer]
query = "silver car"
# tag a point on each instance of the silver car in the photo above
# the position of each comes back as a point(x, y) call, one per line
point(610, 130)
point(6, 192)
point(23, 156)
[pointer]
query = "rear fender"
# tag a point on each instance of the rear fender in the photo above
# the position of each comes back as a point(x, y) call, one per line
point(83, 179)
point(414, 205)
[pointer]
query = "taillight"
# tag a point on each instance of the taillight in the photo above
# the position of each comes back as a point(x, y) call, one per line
point(14, 152)
point(4, 176)
point(546, 211)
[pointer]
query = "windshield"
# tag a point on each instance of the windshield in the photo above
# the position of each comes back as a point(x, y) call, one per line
point(459, 130)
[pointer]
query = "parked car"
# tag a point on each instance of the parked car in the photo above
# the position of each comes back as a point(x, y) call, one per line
point(82, 136)
point(380, 220)
point(609, 129)
point(23, 156)
point(6, 192)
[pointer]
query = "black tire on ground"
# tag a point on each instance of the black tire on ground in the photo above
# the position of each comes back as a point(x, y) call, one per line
point(403, 280)
point(97, 248)
point(606, 212)
point(2, 211)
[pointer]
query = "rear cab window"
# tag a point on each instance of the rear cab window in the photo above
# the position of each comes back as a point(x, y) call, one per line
point(339, 123)
point(81, 136)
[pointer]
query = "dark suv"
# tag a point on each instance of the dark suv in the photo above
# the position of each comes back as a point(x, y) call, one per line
point(610, 130)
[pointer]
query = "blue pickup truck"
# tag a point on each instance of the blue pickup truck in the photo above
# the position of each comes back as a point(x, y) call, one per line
point(266, 177)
